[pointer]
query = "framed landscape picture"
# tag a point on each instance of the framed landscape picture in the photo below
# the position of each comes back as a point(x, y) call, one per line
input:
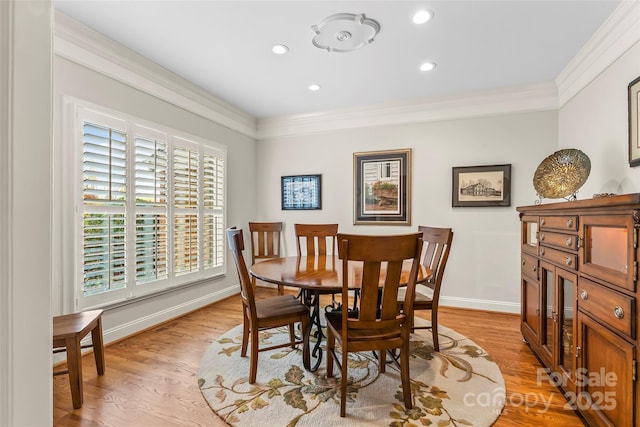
point(382, 187)
point(481, 186)
point(301, 192)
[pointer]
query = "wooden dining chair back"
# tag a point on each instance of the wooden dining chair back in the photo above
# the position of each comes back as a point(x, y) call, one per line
point(281, 310)
point(377, 324)
point(266, 240)
point(316, 239)
point(437, 245)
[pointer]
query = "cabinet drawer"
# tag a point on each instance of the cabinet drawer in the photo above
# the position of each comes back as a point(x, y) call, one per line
point(559, 240)
point(568, 222)
point(613, 308)
point(566, 259)
point(530, 266)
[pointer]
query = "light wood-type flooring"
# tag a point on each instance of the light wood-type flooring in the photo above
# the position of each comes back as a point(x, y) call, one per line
point(151, 378)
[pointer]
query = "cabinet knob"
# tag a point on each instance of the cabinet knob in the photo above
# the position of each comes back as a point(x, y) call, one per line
point(541, 221)
point(534, 268)
point(584, 295)
point(541, 251)
point(524, 262)
point(618, 312)
point(569, 223)
point(568, 261)
point(542, 236)
point(569, 241)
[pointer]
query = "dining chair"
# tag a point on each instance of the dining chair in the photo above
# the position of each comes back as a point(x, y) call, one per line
point(265, 244)
point(377, 325)
point(437, 244)
point(317, 239)
point(258, 315)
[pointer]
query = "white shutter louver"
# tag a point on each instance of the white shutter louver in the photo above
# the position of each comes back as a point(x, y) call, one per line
point(151, 247)
point(185, 199)
point(104, 164)
point(185, 243)
point(151, 172)
point(213, 194)
point(151, 185)
point(104, 252)
point(185, 178)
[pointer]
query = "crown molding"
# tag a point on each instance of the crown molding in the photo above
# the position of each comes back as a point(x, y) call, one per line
point(539, 97)
point(88, 48)
point(614, 37)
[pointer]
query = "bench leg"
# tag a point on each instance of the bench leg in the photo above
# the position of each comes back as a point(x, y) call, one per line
point(74, 365)
point(98, 346)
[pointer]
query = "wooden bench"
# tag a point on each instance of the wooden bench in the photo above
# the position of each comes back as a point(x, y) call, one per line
point(68, 332)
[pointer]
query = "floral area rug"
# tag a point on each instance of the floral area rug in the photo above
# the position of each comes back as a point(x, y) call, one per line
point(458, 386)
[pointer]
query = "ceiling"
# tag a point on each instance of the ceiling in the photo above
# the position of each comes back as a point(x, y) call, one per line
point(225, 47)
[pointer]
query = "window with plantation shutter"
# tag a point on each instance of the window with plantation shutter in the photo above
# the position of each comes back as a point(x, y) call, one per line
point(151, 208)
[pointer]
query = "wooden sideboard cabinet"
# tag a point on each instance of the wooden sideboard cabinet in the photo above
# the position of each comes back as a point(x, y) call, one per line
point(579, 307)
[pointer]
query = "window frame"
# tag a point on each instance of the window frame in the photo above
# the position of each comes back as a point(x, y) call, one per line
point(139, 128)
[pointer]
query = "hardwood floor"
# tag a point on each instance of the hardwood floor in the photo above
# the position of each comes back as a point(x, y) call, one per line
point(151, 378)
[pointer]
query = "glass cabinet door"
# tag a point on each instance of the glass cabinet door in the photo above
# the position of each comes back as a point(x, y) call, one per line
point(566, 283)
point(547, 337)
point(607, 249)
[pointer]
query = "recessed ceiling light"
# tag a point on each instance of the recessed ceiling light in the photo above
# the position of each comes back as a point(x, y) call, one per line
point(279, 49)
point(422, 16)
point(427, 66)
point(314, 87)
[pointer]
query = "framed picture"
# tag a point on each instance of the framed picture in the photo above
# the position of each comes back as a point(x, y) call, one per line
point(481, 186)
point(382, 187)
point(634, 119)
point(300, 192)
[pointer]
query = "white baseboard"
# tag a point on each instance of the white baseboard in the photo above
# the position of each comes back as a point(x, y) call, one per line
point(142, 323)
point(478, 304)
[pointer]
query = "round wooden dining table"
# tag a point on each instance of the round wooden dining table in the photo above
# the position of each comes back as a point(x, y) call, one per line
point(318, 275)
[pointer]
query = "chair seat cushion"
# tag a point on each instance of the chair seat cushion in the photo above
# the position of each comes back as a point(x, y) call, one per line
point(280, 306)
point(422, 301)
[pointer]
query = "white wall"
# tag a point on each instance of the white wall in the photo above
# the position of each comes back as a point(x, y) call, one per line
point(596, 122)
point(483, 269)
point(25, 213)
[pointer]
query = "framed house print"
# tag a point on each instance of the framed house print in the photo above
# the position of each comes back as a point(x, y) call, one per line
point(301, 192)
point(382, 187)
point(481, 186)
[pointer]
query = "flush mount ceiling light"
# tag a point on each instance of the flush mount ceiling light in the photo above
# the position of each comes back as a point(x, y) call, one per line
point(422, 16)
point(344, 32)
point(427, 66)
point(314, 87)
point(279, 49)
